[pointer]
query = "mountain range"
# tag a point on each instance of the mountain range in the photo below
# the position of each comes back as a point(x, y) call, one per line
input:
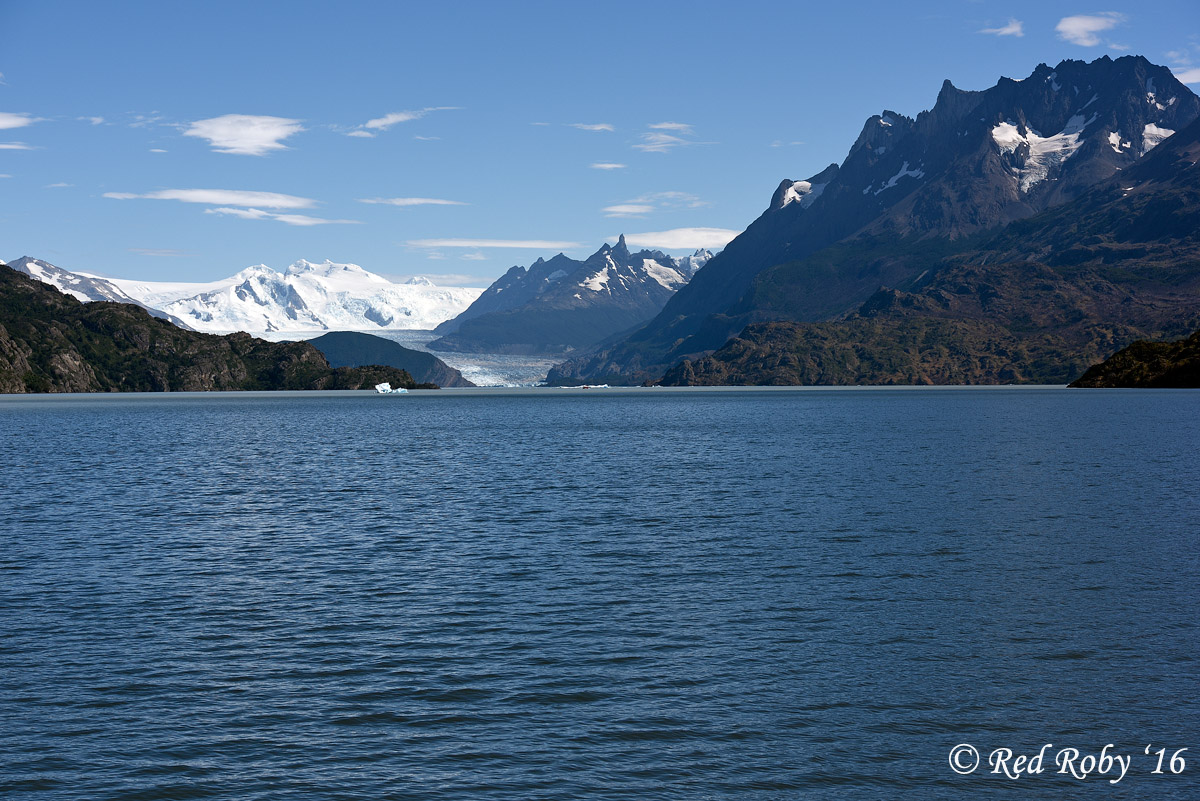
point(910, 193)
point(52, 342)
point(305, 297)
point(563, 304)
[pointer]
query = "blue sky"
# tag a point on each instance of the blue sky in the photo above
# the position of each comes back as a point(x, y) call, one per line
point(188, 140)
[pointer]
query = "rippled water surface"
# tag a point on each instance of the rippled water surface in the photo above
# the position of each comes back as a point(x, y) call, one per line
point(599, 595)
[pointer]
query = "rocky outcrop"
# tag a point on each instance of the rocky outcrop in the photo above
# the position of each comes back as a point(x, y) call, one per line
point(1148, 365)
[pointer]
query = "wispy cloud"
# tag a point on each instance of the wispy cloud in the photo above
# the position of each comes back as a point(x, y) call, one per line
point(145, 120)
point(683, 238)
point(59, 185)
point(290, 219)
point(628, 210)
point(680, 127)
point(529, 244)
point(658, 140)
point(92, 120)
point(655, 201)
point(412, 201)
point(1189, 75)
point(371, 127)
point(607, 165)
point(245, 134)
point(781, 143)
point(1014, 28)
point(654, 142)
point(16, 146)
point(222, 197)
point(1083, 29)
point(5, 175)
point(11, 120)
point(157, 150)
point(598, 126)
point(476, 256)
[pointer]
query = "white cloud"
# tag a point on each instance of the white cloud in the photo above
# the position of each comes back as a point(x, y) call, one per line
point(222, 197)
point(781, 143)
point(15, 146)
point(683, 238)
point(681, 127)
point(628, 210)
point(388, 120)
point(245, 134)
point(1082, 29)
point(427, 138)
point(476, 256)
point(361, 133)
point(1189, 75)
point(93, 120)
point(607, 165)
point(412, 201)
point(59, 185)
point(528, 244)
point(5, 175)
point(10, 120)
point(290, 219)
point(599, 126)
point(157, 150)
point(1014, 28)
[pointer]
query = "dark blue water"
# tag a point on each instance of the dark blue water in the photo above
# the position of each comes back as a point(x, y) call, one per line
point(568, 594)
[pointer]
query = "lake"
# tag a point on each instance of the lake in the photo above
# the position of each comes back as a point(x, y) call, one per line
point(598, 594)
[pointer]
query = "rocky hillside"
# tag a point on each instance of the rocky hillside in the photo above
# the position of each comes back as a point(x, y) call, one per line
point(51, 342)
point(1149, 365)
point(910, 191)
point(352, 349)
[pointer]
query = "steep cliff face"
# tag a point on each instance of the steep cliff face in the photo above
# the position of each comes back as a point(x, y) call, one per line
point(51, 342)
point(1037, 302)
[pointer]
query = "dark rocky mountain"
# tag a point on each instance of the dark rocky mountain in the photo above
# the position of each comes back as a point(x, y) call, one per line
point(353, 349)
point(561, 305)
point(83, 287)
point(1037, 301)
point(52, 342)
point(910, 190)
point(1148, 365)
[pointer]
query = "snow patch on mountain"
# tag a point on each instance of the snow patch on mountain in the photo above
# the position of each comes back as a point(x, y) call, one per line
point(688, 265)
point(1152, 135)
point(803, 192)
point(665, 276)
point(1033, 155)
point(599, 281)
